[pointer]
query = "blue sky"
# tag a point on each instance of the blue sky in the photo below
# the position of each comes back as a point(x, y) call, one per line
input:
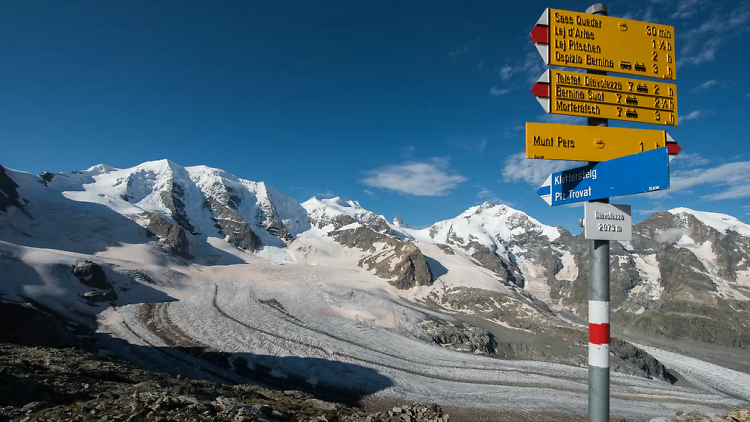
point(414, 109)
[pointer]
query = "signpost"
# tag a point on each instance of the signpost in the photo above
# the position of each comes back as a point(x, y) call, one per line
point(621, 161)
point(592, 143)
point(609, 97)
point(644, 172)
point(604, 43)
point(604, 221)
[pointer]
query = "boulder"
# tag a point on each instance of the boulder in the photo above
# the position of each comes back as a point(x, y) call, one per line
point(173, 236)
point(92, 275)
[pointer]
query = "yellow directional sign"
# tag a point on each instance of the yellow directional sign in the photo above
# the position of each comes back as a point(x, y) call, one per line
point(606, 43)
point(592, 143)
point(609, 97)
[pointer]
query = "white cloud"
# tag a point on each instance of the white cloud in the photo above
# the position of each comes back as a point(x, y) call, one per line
point(705, 85)
point(518, 168)
point(689, 160)
point(696, 114)
point(407, 151)
point(728, 180)
point(506, 72)
point(470, 143)
point(746, 208)
point(686, 8)
point(430, 178)
point(368, 192)
point(717, 28)
point(496, 92)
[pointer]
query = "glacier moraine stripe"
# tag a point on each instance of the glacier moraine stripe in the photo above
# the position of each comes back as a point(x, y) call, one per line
point(599, 355)
point(598, 312)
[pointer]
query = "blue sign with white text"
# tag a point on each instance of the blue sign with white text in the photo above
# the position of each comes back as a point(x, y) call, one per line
point(643, 172)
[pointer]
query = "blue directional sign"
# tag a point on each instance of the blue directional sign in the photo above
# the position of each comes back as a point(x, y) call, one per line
point(643, 172)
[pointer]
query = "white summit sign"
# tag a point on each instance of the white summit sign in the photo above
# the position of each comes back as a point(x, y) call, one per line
point(604, 221)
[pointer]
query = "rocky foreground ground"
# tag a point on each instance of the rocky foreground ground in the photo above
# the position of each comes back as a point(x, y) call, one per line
point(48, 374)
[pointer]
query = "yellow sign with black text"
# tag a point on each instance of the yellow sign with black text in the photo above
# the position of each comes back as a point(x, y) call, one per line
point(589, 143)
point(611, 44)
point(609, 97)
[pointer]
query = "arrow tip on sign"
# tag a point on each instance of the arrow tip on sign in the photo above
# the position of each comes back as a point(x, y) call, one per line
point(545, 191)
point(543, 50)
point(673, 148)
point(544, 19)
point(545, 102)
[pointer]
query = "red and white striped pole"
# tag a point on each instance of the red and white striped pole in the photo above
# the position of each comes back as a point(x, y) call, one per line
point(599, 333)
point(598, 303)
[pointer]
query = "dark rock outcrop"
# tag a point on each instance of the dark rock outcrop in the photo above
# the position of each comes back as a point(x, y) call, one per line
point(230, 224)
point(47, 176)
point(8, 191)
point(173, 236)
point(101, 296)
point(493, 262)
point(401, 263)
point(92, 275)
point(641, 360)
point(174, 199)
point(460, 337)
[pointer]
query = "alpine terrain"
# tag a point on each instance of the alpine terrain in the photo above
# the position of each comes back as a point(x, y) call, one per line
point(193, 271)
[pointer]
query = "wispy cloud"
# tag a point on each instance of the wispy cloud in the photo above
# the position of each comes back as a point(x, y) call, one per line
point(490, 196)
point(531, 66)
point(686, 8)
point(496, 92)
point(506, 72)
point(746, 208)
point(688, 160)
point(518, 168)
point(696, 114)
point(702, 42)
point(465, 49)
point(470, 143)
point(705, 85)
point(729, 181)
point(641, 14)
point(480, 65)
point(407, 151)
point(369, 192)
point(429, 178)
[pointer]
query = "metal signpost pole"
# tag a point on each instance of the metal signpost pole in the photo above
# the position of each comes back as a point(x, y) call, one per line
point(598, 302)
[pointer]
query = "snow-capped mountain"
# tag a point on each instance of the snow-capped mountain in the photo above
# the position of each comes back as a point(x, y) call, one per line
point(491, 280)
point(184, 206)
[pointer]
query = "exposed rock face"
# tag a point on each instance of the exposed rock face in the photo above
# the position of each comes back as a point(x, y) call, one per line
point(222, 202)
point(8, 192)
point(490, 260)
point(460, 337)
point(47, 176)
point(92, 275)
point(642, 361)
point(173, 236)
point(678, 278)
point(401, 263)
point(173, 198)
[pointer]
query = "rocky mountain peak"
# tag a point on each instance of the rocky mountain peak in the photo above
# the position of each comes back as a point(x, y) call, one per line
point(400, 223)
